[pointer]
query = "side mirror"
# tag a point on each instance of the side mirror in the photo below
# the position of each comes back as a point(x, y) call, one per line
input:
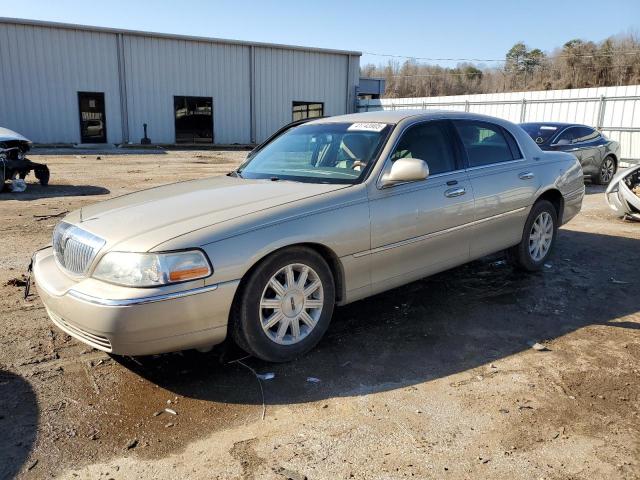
point(406, 170)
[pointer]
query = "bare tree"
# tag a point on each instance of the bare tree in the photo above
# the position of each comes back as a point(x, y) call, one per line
point(578, 63)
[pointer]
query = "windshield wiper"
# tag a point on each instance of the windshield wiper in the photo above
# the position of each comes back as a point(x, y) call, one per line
point(235, 173)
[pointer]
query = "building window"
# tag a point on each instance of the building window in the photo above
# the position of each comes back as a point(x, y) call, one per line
point(194, 119)
point(302, 110)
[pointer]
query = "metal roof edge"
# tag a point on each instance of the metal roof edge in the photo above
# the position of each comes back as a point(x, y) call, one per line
point(171, 36)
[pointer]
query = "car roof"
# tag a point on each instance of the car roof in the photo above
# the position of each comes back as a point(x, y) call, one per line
point(396, 116)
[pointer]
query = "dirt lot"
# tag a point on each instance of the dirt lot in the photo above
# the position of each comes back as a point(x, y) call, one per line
point(432, 380)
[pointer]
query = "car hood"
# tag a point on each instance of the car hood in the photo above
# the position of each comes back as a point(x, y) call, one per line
point(7, 135)
point(145, 219)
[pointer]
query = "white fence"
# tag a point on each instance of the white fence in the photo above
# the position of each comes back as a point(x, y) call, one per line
point(613, 110)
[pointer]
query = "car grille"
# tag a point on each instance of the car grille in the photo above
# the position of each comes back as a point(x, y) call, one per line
point(75, 248)
point(96, 341)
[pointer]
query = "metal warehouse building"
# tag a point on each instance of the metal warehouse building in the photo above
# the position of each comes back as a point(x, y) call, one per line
point(73, 84)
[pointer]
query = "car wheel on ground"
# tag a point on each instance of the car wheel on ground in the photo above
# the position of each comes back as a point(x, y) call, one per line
point(606, 172)
point(538, 238)
point(284, 306)
point(42, 174)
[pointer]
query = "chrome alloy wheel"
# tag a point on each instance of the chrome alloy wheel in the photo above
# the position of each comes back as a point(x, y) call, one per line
point(291, 304)
point(607, 170)
point(541, 236)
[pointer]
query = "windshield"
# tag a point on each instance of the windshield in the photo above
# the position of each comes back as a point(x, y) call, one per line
point(319, 153)
point(540, 132)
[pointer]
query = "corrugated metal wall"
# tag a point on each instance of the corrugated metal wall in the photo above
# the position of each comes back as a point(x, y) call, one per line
point(285, 76)
point(616, 110)
point(38, 97)
point(43, 69)
point(158, 68)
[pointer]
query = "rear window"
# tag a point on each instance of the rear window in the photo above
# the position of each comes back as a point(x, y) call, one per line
point(540, 133)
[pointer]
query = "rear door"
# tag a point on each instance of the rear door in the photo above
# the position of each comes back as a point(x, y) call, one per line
point(588, 148)
point(504, 185)
point(566, 142)
point(419, 228)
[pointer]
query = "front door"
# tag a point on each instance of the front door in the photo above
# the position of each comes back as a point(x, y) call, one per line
point(420, 228)
point(93, 121)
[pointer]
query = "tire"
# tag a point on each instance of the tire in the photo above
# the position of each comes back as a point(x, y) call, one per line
point(521, 256)
point(42, 174)
point(278, 342)
point(2, 179)
point(606, 171)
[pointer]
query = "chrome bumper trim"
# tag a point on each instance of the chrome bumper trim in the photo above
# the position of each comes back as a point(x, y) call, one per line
point(141, 300)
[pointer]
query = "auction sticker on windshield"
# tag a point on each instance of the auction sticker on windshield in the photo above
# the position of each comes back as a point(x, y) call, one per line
point(367, 127)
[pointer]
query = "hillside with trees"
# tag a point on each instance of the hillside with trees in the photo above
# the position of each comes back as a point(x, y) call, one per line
point(612, 62)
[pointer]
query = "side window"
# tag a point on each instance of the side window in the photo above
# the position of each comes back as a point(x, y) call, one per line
point(429, 142)
point(485, 143)
point(566, 137)
point(585, 134)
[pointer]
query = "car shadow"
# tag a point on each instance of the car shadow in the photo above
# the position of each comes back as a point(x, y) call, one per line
point(18, 423)
point(593, 189)
point(448, 323)
point(35, 191)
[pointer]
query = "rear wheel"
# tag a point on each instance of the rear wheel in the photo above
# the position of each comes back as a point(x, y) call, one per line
point(42, 174)
point(284, 306)
point(538, 238)
point(606, 172)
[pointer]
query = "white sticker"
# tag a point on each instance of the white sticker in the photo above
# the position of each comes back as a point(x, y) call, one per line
point(367, 127)
point(544, 127)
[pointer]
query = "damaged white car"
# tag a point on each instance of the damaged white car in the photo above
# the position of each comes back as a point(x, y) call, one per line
point(14, 164)
point(623, 193)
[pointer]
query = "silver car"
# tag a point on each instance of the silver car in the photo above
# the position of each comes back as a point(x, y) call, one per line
point(326, 213)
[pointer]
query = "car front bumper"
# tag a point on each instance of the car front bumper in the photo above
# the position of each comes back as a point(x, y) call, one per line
point(134, 321)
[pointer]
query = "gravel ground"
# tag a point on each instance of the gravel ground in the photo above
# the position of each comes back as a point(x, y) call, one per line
point(436, 379)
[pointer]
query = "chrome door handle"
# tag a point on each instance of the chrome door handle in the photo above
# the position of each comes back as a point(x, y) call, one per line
point(454, 192)
point(526, 176)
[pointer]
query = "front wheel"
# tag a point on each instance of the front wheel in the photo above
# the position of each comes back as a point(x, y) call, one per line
point(606, 172)
point(538, 238)
point(284, 306)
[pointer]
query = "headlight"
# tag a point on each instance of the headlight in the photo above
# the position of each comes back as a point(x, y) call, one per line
point(152, 269)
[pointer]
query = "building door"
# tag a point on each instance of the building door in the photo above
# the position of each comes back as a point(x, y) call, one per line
point(93, 121)
point(194, 119)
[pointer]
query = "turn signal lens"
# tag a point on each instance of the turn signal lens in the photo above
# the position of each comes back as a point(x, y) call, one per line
point(188, 274)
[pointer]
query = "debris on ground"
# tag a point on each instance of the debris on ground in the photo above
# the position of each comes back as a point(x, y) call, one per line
point(538, 346)
point(171, 411)
point(313, 380)
point(40, 218)
point(18, 185)
point(266, 376)
point(618, 282)
point(132, 444)
point(16, 282)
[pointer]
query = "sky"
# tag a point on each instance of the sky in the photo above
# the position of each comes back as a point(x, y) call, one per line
point(412, 28)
